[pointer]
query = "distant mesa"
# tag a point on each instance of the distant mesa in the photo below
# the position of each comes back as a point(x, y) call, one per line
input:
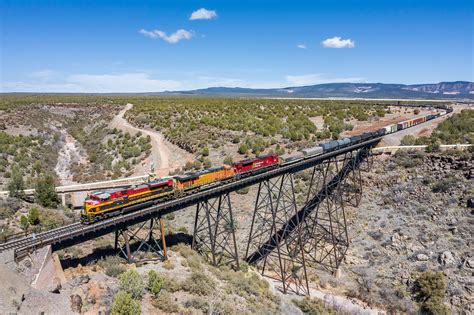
point(442, 90)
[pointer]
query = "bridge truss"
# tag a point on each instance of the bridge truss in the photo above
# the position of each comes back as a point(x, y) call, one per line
point(287, 236)
point(291, 228)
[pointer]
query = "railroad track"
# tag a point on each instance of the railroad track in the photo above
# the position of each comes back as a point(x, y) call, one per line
point(76, 233)
point(16, 243)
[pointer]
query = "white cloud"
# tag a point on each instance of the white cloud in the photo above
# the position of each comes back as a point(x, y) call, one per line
point(96, 83)
point(338, 42)
point(301, 46)
point(310, 79)
point(203, 14)
point(172, 39)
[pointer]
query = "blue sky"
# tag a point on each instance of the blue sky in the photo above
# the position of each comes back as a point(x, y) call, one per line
point(140, 46)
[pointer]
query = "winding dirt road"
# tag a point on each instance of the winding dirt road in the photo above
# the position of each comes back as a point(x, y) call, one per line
point(164, 155)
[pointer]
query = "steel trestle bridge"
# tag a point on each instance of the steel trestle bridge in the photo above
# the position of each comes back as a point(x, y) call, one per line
point(285, 237)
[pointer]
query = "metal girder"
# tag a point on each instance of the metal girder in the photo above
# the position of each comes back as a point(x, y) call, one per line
point(141, 238)
point(214, 231)
point(282, 255)
point(325, 233)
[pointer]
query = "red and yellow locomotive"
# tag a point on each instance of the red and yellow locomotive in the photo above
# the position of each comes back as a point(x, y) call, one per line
point(110, 202)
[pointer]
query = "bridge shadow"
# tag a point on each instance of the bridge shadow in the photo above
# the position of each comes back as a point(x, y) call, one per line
point(292, 224)
point(106, 251)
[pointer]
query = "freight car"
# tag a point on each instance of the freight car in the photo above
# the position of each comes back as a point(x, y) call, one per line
point(107, 203)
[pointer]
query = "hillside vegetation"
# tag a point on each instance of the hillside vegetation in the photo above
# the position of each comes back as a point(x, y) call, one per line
point(459, 128)
point(196, 123)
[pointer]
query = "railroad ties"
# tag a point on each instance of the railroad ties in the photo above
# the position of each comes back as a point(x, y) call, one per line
point(287, 234)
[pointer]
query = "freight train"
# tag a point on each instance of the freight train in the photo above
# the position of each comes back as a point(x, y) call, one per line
point(103, 204)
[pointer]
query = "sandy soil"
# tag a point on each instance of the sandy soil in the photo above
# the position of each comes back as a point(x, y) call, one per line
point(165, 156)
point(398, 114)
point(69, 153)
point(318, 121)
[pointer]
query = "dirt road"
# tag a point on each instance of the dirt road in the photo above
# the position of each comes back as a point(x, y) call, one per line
point(165, 156)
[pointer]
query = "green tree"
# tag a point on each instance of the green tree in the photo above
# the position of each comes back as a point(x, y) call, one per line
point(228, 160)
point(24, 223)
point(431, 288)
point(243, 148)
point(33, 216)
point(408, 140)
point(45, 192)
point(124, 304)
point(131, 282)
point(155, 282)
point(16, 184)
point(207, 163)
point(37, 167)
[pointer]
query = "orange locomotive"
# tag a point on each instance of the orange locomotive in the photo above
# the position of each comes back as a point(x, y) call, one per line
point(103, 204)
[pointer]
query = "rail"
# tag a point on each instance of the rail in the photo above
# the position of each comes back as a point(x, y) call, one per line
point(77, 233)
point(391, 149)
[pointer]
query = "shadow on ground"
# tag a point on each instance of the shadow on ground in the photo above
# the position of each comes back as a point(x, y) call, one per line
point(105, 251)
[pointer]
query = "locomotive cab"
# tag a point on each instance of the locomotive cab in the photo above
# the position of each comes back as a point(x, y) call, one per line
point(94, 199)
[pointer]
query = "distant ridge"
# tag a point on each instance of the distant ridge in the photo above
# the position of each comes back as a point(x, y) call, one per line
point(442, 90)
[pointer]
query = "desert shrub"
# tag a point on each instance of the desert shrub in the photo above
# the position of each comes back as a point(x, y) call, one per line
point(243, 191)
point(34, 216)
point(408, 159)
point(50, 219)
point(169, 217)
point(168, 265)
point(443, 185)
point(155, 282)
point(171, 284)
point(184, 250)
point(312, 306)
point(199, 283)
point(408, 140)
point(244, 267)
point(112, 265)
point(166, 303)
point(207, 163)
point(131, 282)
point(24, 222)
point(228, 160)
point(430, 290)
point(249, 286)
point(243, 148)
point(115, 270)
point(124, 304)
point(16, 185)
point(198, 303)
point(459, 128)
point(6, 212)
point(45, 192)
point(5, 232)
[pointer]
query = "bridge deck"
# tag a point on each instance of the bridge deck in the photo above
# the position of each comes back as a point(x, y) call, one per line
point(77, 233)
